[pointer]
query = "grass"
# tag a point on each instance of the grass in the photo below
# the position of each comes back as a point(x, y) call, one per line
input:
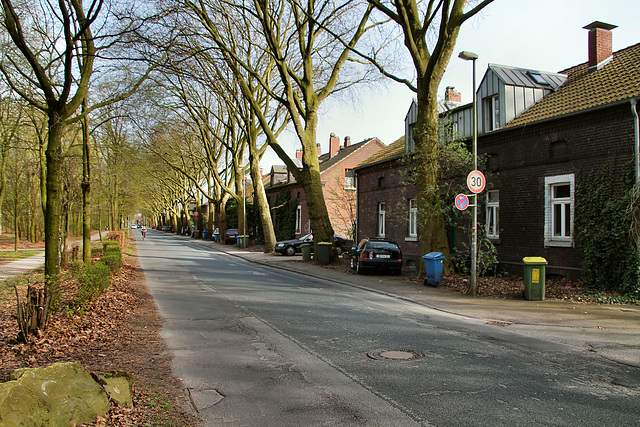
point(8, 256)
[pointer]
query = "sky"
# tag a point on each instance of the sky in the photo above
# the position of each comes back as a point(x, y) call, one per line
point(545, 35)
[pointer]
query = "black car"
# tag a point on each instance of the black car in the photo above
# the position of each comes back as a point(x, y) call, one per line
point(231, 236)
point(378, 254)
point(292, 247)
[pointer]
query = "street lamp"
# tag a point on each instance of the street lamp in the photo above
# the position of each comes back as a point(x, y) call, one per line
point(470, 56)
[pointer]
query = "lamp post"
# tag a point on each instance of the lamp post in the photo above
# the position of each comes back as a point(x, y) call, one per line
point(470, 56)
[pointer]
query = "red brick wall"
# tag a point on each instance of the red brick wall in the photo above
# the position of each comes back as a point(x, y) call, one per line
point(387, 183)
point(525, 156)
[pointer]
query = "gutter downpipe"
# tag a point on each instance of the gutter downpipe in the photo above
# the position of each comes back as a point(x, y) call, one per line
point(636, 126)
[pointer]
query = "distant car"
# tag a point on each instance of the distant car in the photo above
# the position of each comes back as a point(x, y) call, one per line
point(292, 247)
point(134, 226)
point(231, 236)
point(380, 254)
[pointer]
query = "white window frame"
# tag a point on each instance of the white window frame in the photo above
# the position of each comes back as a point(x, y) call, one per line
point(565, 239)
point(492, 120)
point(350, 185)
point(493, 215)
point(299, 219)
point(382, 215)
point(413, 218)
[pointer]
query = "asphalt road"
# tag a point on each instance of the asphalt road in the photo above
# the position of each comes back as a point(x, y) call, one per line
point(260, 346)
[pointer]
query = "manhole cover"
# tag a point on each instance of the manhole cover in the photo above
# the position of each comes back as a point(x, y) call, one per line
point(400, 354)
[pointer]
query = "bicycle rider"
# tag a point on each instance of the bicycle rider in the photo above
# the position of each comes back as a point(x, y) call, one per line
point(144, 232)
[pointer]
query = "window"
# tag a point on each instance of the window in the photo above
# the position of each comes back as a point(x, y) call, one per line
point(493, 210)
point(538, 78)
point(413, 218)
point(409, 143)
point(299, 219)
point(349, 178)
point(381, 182)
point(559, 206)
point(492, 113)
point(381, 219)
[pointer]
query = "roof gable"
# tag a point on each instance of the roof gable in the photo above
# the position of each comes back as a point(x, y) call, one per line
point(326, 162)
point(523, 77)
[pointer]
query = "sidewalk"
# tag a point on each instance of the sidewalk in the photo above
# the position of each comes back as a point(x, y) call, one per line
point(26, 265)
point(612, 331)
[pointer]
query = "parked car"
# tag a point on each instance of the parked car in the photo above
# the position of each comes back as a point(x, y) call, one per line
point(292, 247)
point(231, 236)
point(378, 254)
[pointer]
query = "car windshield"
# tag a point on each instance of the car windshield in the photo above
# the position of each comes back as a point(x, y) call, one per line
point(382, 245)
point(307, 236)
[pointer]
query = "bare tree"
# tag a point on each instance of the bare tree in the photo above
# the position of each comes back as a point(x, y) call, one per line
point(430, 30)
point(308, 60)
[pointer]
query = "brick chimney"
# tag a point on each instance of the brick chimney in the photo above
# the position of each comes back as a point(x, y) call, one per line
point(298, 154)
point(450, 95)
point(318, 149)
point(334, 145)
point(347, 141)
point(600, 43)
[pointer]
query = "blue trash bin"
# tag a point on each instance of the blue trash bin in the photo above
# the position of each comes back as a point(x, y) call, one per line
point(205, 233)
point(433, 263)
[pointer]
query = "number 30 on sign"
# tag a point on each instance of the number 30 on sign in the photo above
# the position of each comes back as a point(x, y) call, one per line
point(476, 181)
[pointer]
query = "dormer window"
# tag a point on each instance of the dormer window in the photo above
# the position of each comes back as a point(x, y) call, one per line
point(492, 113)
point(409, 143)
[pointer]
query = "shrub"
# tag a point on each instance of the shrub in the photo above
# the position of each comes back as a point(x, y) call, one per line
point(94, 280)
point(112, 256)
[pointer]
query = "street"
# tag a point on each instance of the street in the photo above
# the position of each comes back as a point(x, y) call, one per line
point(255, 345)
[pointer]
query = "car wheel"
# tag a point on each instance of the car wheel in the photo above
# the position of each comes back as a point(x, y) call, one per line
point(339, 250)
point(290, 250)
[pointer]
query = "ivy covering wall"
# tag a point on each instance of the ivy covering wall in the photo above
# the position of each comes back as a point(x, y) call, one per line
point(610, 257)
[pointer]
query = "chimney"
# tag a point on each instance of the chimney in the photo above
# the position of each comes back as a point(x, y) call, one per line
point(347, 141)
point(318, 149)
point(600, 43)
point(334, 145)
point(450, 95)
point(298, 154)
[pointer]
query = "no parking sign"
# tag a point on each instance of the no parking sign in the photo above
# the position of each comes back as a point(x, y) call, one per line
point(462, 202)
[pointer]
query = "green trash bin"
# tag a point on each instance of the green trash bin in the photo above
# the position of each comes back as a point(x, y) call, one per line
point(324, 253)
point(534, 278)
point(306, 251)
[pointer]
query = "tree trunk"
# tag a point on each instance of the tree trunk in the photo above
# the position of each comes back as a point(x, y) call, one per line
point(263, 205)
point(86, 190)
point(433, 236)
point(52, 211)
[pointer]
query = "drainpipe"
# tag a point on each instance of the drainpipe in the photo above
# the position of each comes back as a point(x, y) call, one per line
point(636, 127)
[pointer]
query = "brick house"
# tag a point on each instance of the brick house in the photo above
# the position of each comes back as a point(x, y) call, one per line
point(338, 183)
point(541, 134)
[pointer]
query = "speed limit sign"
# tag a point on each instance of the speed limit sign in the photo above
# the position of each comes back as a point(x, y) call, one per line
point(476, 181)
